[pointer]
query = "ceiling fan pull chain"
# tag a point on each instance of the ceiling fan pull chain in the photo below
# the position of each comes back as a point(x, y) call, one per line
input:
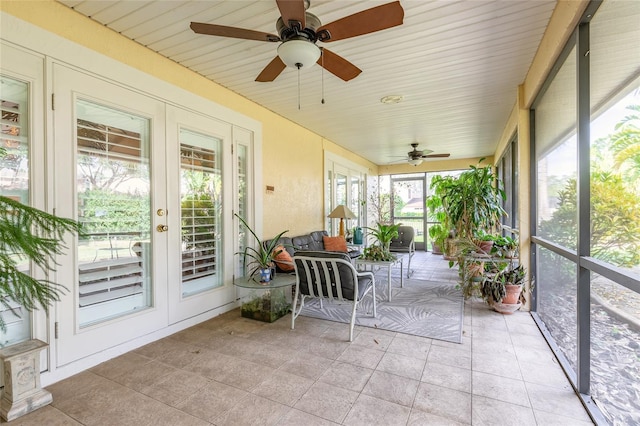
point(322, 75)
point(298, 86)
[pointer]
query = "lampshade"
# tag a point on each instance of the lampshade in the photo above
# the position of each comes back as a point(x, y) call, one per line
point(341, 212)
point(298, 53)
point(415, 161)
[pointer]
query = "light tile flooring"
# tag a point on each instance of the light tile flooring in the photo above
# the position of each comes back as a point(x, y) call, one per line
point(234, 371)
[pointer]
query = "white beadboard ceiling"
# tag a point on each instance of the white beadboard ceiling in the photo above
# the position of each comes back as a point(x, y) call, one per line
point(457, 65)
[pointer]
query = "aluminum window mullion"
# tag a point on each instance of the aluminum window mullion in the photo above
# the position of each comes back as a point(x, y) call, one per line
point(583, 308)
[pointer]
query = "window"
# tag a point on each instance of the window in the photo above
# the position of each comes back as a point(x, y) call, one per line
point(508, 173)
point(344, 185)
point(15, 182)
point(114, 205)
point(201, 205)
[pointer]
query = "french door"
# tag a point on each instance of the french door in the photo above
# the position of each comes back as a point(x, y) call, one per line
point(109, 175)
point(147, 181)
point(197, 184)
point(408, 202)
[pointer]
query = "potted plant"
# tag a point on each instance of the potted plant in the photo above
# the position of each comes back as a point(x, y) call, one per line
point(503, 291)
point(27, 234)
point(376, 253)
point(438, 235)
point(484, 242)
point(438, 232)
point(505, 246)
point(261, 256)
point(472, 201)
point(383, 234)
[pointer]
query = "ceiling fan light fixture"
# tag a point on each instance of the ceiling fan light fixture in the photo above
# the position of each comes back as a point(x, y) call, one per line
point(415, 161)
point(298, 53)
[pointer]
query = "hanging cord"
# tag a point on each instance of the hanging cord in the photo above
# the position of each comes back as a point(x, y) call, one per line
point(322, 77)
point(298, 66)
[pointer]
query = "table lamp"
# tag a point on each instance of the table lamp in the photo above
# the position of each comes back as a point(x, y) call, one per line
point(341, 212)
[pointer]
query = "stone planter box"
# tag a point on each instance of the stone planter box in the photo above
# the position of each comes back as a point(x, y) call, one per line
point(22, 392)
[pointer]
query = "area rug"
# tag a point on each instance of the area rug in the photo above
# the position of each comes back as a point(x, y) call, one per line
point(422, 308)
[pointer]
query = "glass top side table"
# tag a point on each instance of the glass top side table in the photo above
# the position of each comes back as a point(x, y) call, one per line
point(385, 264)
point(265, 301)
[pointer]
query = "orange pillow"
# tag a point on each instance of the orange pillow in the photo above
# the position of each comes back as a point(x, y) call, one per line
point(283, 259)
point(334, 243)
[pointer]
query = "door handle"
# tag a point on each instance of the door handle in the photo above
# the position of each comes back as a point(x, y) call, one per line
point(162, 228)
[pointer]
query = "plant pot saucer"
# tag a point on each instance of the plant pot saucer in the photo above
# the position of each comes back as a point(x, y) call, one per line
point(506, 308)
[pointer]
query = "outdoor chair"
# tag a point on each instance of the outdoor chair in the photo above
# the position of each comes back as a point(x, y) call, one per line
point(404, 243)
point(330, 275)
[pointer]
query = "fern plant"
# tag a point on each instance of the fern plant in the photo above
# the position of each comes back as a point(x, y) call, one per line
point(27, 233)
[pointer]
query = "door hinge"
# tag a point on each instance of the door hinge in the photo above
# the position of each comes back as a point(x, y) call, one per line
point(231, 149)
point(53, 101)
point(55, 330)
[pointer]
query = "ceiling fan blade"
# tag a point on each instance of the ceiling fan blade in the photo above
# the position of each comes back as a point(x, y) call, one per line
point(292, 10)
point(272, 70)
point(436, 156)
point(224, 31)
point(337, 65)
point(365, 22)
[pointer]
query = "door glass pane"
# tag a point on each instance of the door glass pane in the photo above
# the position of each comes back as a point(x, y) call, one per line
point(114, 206)
point(409, 205)
point(243, 202)
point(327, 202)
point(200, 198)
point(355, 203)
point(14, 183)
point(341, 189)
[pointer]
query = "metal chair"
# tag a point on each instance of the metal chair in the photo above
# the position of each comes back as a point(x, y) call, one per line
point(404, 243)
point(330, 275)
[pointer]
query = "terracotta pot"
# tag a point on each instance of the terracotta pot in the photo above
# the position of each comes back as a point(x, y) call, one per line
point(505, 308)
point(513, 294)
point(485, 246)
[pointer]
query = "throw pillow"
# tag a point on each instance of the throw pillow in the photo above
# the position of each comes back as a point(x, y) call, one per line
point(335, 243)
point(283, 259)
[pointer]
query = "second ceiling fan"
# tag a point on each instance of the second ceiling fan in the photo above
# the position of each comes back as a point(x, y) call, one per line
point(416, 156)
point(299, 31)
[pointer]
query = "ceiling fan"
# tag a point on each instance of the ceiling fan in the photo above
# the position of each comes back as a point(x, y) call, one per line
point(416, 156)
point(299, 31)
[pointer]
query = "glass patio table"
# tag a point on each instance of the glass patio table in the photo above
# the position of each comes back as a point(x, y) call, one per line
point(265, 301)
point(373, 265)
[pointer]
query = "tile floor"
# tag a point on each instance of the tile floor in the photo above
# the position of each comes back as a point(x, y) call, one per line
point(235, 371)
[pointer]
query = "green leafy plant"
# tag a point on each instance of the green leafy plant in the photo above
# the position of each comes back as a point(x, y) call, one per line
point(384, 233)
point(438, 234)
point(494, 290)
point(27, 233)
point(262, 256)
point(472, 201)
point(377, 253)
point(440, 231)
point(505, 246)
